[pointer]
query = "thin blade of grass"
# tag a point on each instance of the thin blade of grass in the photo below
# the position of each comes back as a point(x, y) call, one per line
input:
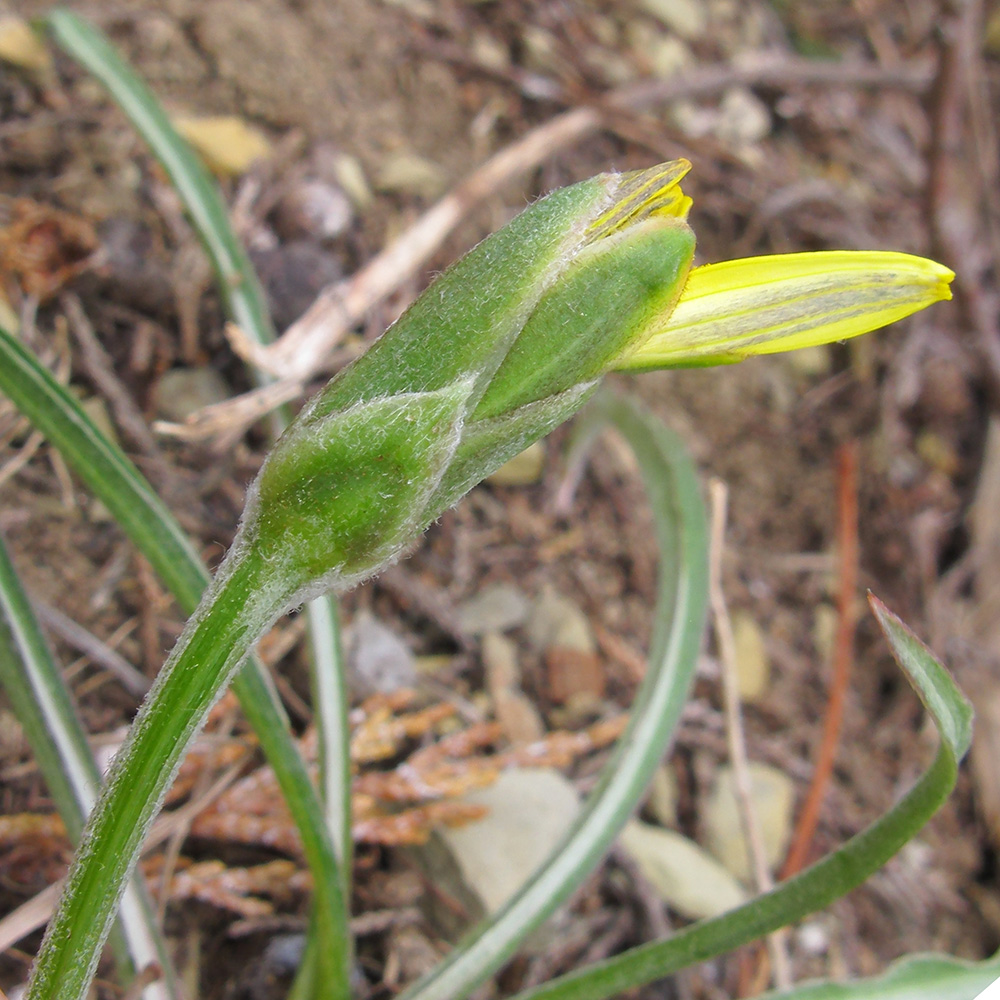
point(238, 283)
point(674, 495)
point(827, 880)
point(42, 705)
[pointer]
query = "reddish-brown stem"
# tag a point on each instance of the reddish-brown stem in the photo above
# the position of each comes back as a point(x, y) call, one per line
point(843, 654)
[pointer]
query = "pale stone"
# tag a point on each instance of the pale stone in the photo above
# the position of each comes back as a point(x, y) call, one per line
point(689, 18)
point(484, 863)
point(530, 811)
point(315, 208)
point(668, 56)
point(513, 709)
point(773, 796)
point(824, 630)
point(9, 318)
point(350, 175)
point(744, 119)
point(181, 392)
point(662, 801)
point(753, 665)
point(540, 49)
point(517, 714)
point(21, 46)
point(521, 470)
point(490, 51)
point(227, 144)
point(810, 362)
point(378, 660)
point(494, 609)
point(500, 664)
point(408, 173)
point(685, 877)
point(557, 621)
point(692, 119)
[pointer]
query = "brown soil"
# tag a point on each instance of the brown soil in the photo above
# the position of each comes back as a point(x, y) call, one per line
point(882, 166)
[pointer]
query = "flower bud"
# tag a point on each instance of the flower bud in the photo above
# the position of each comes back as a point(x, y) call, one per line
point(505, 345)
point(511, 341)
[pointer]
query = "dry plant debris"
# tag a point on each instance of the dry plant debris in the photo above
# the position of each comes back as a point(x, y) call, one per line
point(887, 138)
point(421, 789)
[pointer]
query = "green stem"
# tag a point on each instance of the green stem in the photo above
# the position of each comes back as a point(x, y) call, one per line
point(108, 473)
point(246, 306)
point(239, 606)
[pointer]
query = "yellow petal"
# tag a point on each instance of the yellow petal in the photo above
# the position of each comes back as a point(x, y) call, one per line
point(762, 305)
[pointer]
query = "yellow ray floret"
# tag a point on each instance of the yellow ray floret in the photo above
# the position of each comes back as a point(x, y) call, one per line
point(763, 305)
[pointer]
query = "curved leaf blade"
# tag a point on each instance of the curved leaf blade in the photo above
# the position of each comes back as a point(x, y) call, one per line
point(828, 879)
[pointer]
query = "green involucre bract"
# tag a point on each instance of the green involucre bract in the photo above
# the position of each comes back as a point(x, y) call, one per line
point(504, 346)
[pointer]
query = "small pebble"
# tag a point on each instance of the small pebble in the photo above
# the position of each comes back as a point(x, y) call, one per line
point(181, 392)
point(684, 876)
point(744, 118)
point(408, 173)
point(21, 46)
point(313, 208)
point(753, 665)
point(495, 608)
point(689, 18)
point(378, 660)
point(557, 621)
point(226, 142)
point(773, 795)
point(521, 470)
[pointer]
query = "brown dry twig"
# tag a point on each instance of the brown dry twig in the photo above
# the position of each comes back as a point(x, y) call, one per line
point(101, 653)
point(100, 370)
point(843, 655)
point(736, 737)
point(962, 182)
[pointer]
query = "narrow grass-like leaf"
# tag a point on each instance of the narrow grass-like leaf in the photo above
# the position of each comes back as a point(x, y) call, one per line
point(330, 702)
point(828, 879)
point(108, 473)
point(916, 977)
point(240, 288)
point(951, 710)
point(672, 487)
point(42, 705)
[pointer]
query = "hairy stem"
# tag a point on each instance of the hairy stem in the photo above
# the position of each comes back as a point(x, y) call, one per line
point(239, 606)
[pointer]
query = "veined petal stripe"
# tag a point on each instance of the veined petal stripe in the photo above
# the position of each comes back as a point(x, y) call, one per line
point(644, 193)
point(763, 305)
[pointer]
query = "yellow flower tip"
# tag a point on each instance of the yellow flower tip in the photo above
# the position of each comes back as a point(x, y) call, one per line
point(643, 194)
point(763, 305)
